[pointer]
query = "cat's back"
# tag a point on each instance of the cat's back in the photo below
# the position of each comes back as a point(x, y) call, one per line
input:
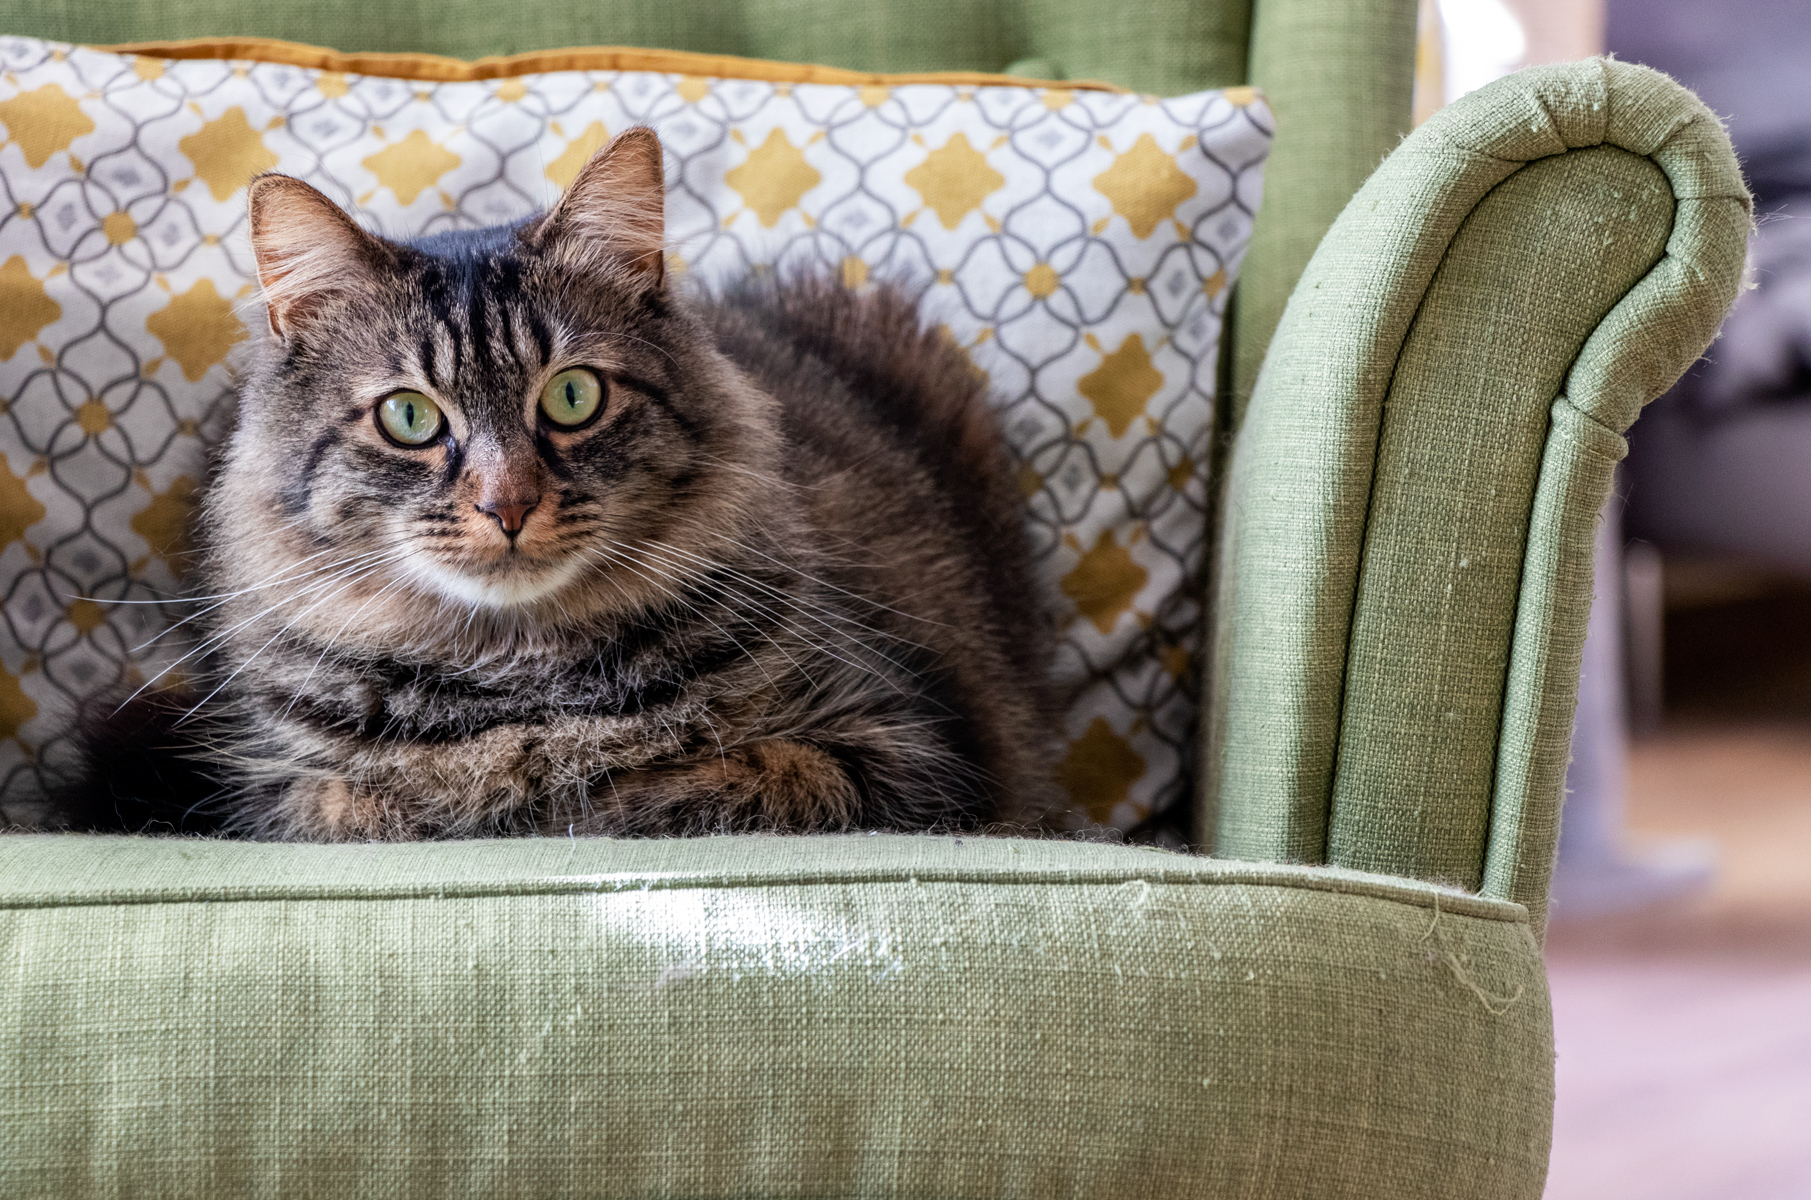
point(911, 491)
point(860, 362)
point(889, 433)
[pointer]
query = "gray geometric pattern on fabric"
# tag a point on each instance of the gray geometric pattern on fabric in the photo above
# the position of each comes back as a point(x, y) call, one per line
point(1080, 245)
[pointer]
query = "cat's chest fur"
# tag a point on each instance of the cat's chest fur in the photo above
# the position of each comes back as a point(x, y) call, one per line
point(388, 699)
point(339, 743)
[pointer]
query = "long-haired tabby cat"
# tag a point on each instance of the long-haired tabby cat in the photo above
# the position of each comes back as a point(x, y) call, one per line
point(512, 535)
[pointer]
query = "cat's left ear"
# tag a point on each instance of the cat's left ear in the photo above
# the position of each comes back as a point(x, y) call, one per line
point(307, 250)
point(613, 216)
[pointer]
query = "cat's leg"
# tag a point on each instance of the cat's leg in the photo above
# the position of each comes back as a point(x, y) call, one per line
point(329, 809)
point(777, 785)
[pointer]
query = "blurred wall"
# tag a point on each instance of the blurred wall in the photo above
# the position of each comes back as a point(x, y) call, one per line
point(1751, 62)
point(1466, 44)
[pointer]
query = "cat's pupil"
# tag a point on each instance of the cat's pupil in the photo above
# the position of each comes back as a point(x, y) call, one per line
point(409, 416)
point(572, 395)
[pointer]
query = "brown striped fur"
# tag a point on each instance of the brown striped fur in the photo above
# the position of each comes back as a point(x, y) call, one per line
point(779, 583)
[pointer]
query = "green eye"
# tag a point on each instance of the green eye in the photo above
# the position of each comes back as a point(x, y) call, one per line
point(572, 397)
point(410, 418)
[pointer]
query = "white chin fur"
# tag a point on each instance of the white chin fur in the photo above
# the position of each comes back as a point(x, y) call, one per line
point(514, 593)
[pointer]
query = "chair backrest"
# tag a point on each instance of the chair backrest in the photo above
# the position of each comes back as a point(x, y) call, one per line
point(1151, 45)
point(1337, 72)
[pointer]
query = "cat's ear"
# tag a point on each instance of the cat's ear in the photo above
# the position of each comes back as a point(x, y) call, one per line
point(307, 250)
point(613, 216)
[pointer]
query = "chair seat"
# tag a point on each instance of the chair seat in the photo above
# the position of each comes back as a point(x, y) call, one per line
point(851, 1015)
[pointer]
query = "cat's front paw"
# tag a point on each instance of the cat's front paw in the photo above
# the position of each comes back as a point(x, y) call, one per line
point(330, 809)
point(777, 785)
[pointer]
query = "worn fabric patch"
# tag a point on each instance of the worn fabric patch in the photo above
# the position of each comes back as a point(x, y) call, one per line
point(1079, 243)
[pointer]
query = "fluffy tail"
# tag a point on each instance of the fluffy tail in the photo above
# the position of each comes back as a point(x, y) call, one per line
point(138, 771)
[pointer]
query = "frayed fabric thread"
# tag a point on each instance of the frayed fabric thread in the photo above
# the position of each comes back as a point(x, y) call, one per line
point(1495, 1005)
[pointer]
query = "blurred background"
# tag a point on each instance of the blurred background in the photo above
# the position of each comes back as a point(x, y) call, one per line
point(1680, 949)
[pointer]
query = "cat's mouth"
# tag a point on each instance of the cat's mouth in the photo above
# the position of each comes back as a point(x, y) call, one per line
point(513, 580)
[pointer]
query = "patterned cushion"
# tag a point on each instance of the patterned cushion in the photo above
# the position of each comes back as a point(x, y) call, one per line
point(1079, 242)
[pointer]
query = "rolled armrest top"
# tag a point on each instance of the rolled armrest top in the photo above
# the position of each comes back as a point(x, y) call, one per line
point(1398, 603)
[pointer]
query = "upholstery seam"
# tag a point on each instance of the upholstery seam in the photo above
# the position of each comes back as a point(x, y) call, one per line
point(1388, 890)
point(1345, 670)
point(1490, 813)
point(1564, 397)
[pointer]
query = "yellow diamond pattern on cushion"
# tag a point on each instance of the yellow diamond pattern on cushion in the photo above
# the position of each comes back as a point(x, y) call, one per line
point(43, 122)
point(1042, 281)
point(1099, 770)
point(16, 708)
point(227, 152)
point(86, 615)
point(93, 417)
point(774, 179)
point(197, 329)
point(1122, 385)
point(1105, 581)
point(24, 307)
point(1145, 185)
point(119, 228)
point(412, 166)
point(19, 509)
point(564, 169)
point(164, 523)
point(954, 179)
point(1090, 312)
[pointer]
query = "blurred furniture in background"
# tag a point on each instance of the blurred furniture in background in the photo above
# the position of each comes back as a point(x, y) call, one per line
point(1722, 465)
point(1600, 870)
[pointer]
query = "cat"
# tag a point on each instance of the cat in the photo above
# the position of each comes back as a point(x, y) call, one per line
point(514, 535)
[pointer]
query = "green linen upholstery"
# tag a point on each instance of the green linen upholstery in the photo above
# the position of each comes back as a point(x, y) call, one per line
point(1339, 77)
point(1160, 46)
point(835, 1016)
point(1399, 599)
point(1404, 575)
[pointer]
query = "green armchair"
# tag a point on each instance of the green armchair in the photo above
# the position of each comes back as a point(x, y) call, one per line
point(1345, 999)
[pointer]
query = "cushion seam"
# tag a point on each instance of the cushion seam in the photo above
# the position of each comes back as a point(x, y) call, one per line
point(1482, 907)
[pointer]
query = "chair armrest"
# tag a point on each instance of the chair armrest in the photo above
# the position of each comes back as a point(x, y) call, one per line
point(1404, 570)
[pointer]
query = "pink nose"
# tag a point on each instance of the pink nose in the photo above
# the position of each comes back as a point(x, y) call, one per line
point(509, 513)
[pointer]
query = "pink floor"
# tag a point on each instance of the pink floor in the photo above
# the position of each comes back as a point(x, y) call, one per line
point(1679, 1081)
point(1684, 1033)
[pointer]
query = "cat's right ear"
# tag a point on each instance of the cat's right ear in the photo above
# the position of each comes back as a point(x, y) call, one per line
point(612, 218)
point(307, 250)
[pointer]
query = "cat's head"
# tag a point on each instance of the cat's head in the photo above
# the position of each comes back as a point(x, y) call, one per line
point(481, 421)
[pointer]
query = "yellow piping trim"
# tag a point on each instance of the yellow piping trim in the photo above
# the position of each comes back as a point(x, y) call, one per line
point(439, 69)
